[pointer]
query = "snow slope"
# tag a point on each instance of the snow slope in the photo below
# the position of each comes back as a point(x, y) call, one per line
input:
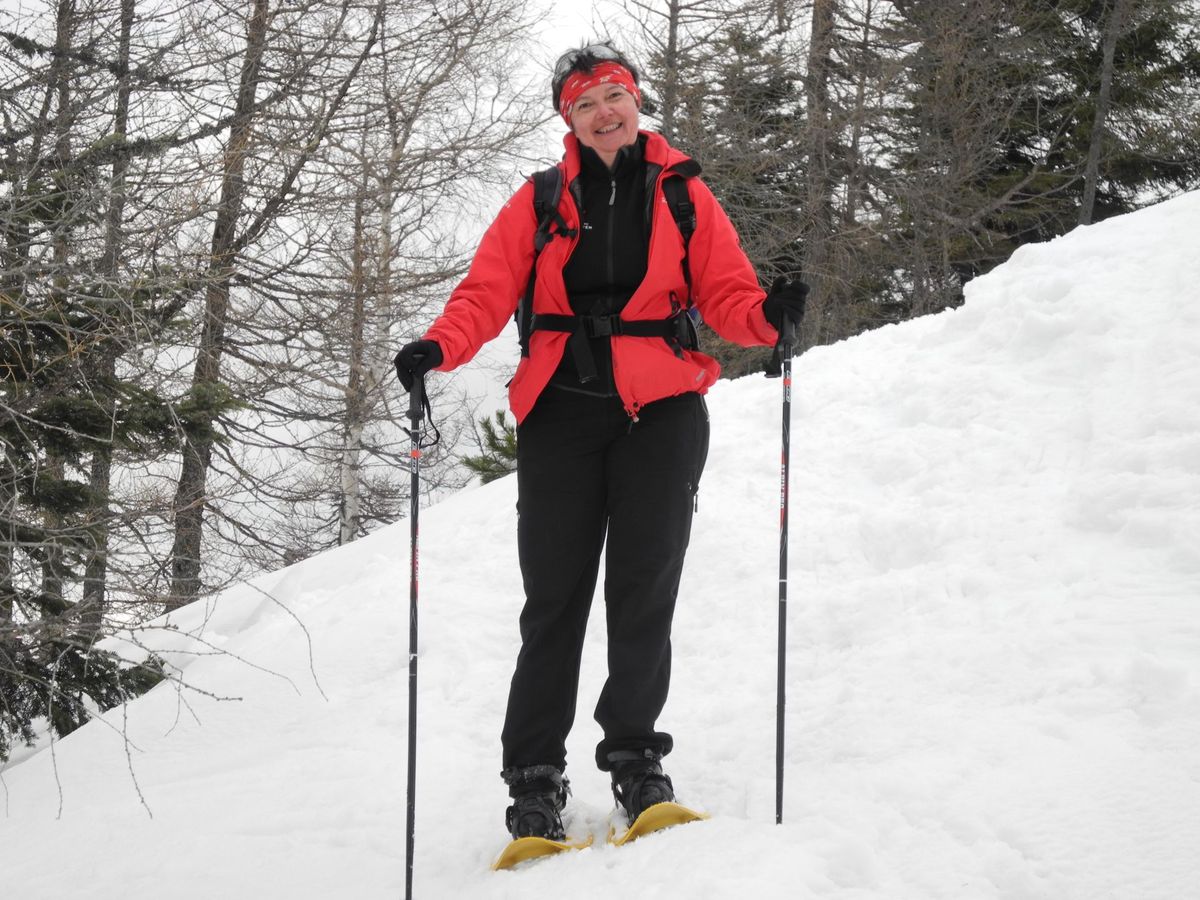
point(994, 646)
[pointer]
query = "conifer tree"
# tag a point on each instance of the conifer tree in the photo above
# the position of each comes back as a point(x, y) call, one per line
point(68, 317)
point(723, 82)
point(498, 449)
point(998, 125)
point(924, 141)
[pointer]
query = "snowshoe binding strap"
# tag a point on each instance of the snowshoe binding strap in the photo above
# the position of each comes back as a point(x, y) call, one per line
point(638, 781)
point(518, 776)
point(539, 795)
point(535, 815)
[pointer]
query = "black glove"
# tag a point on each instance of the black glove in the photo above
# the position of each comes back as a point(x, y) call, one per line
point(785, 300)
point(415, 359)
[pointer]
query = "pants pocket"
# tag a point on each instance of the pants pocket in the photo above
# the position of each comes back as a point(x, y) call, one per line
point(701, 443)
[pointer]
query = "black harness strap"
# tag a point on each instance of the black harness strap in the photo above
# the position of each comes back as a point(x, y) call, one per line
point(678, 329)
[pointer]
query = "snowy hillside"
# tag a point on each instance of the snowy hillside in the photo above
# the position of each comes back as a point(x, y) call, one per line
point(994, 655)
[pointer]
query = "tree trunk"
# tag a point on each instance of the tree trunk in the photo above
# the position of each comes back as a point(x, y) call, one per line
point(819, 190)
point(349, 514)
point(856, 171)
point(670, 90)
point(8, 543)
point(52, 560)
point(190, 498)
point(96, 572)
point(1112, 29)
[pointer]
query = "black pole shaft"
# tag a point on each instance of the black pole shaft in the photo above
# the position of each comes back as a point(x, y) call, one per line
point(786, 340)
point(416, 400)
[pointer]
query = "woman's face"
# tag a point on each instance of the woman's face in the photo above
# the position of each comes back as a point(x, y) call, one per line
point(605, 118)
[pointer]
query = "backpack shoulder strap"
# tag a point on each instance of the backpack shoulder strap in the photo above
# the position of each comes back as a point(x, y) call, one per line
point(547, 192)
point(684, 212)
point(675, 191)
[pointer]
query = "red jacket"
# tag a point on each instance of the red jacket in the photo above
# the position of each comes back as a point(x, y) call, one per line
point(724, 288)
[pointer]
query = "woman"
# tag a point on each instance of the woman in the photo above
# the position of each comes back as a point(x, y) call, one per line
point(612, 429)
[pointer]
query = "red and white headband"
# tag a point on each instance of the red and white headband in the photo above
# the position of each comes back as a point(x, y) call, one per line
point(602, 73)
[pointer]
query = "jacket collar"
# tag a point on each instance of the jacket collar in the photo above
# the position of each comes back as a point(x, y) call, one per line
point(628, 158)
point(657, 151)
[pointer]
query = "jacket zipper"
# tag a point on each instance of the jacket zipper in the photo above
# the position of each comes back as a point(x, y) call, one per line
point(612, 205)
point(610, 269)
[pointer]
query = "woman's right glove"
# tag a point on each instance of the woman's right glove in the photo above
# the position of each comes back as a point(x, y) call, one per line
point(785, 300)
point(415, 359)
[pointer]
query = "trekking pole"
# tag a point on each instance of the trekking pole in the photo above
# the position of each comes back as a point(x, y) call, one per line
point(783, 355)
point(416, 413)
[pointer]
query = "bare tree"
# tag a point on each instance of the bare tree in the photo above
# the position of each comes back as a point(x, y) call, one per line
point(431, 132)
point(231, 235)
point(674, 36)
point(189, 496)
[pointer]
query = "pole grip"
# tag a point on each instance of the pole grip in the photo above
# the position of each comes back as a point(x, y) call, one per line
point(783, 348)
point(416, 399)
point(787, 336)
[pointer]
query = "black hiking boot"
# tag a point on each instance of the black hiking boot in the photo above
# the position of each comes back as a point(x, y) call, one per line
point(539, 794)
point(638, 781)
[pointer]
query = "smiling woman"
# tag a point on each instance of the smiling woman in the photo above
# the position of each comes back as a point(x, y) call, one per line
point(612, 432)
point(605, 119)
point(599, 104)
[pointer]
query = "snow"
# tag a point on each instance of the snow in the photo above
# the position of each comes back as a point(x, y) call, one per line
point(993, 654)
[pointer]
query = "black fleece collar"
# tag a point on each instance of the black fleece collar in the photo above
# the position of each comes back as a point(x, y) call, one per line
point(627, 159)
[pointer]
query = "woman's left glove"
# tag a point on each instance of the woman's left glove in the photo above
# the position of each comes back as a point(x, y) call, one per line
point(415, 359)
point(785, 300)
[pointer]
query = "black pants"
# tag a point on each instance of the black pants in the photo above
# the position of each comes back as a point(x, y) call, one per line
point(584, 470)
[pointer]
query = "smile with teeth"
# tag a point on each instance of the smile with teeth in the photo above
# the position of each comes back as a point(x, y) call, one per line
point(608, 129)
